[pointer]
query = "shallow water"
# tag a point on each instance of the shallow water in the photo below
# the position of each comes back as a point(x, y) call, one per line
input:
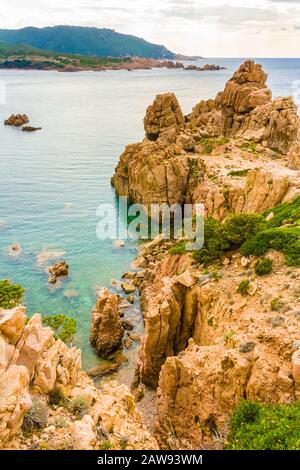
point(52, 181)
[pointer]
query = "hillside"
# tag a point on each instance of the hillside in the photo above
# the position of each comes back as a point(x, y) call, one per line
point(27, 57)
point(85, 41)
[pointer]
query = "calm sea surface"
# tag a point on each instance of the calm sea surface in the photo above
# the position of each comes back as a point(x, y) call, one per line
point(52, 181)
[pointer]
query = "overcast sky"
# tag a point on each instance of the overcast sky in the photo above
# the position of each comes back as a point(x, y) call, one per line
point(212, 28)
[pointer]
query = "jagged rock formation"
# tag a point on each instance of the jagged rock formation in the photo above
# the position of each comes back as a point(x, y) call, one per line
point(16, 120)
point(294, 154)
point(106, 328)
point(185, 160)
point(163, 118)
point(30, 359)
point(58, 270)
point(206, 346)
point(32, 362)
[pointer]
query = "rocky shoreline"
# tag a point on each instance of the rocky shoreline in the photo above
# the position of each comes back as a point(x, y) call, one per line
point(128, 64)
point(221, 323)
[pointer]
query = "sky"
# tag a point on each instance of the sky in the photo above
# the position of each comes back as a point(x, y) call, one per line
point(210, 28)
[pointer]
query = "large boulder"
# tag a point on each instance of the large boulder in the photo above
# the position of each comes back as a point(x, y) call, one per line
point(12, 323)
point(106, 330)
point(15, 401)
point(163, 118)
point(16, 120)
point(58, 270)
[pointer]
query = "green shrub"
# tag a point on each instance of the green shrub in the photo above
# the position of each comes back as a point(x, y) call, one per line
point(106, 445)
point(178, 249)
point(285, 212)
point(253, 235)
point(219, 238)
point(10, 294)
point(78, 406)
point(277, 304)
point(64, 327)
point(263, 266)
point(256, 426)
point(243, 287)
point(37, 416)
point(286, 240)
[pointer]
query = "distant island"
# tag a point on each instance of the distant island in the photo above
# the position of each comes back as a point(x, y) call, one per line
point(87, 41)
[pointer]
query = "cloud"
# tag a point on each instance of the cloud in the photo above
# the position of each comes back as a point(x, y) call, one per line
point(225, 14)
point(204, 27)
point(285, 1)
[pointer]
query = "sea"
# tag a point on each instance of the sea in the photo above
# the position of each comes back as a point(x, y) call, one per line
point(53, 181)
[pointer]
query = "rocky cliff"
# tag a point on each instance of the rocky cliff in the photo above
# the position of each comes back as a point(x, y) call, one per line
point(208, 344)
point(220, 331)
point(197, 158)
point(48, 402)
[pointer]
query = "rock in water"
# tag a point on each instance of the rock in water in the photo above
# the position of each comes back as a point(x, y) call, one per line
point(14, 250)
point(106, 330)
point(16, 120)
point(128, 288)
point(30, 129)
point(58, 270)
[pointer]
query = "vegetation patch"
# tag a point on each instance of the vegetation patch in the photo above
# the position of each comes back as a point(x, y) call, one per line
point(78, 406)
point(286, 240)
point(243, 287)
point(254, 235)
point(288, 213)
point(220, 238)
point(277, 304)
point(239, 173)
point(249, 147)
point(64, 327)
point(210, 142)
point(256, 426)
point(263, 266)
point(10, 294)
point(37, 416)
point(178, 249)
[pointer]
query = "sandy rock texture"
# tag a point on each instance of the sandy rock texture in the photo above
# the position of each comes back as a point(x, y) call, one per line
point(206, 346)
point(106, 330)
point(34, 366)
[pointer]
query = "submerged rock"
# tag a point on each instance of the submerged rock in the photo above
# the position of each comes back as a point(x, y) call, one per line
point(106, 368)
point(14, 250)
point(47, 255)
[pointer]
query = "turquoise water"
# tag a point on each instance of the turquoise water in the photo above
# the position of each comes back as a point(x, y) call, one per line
point(52, 181)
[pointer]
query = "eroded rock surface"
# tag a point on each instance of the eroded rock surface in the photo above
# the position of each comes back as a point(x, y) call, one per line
point(35, 367)
point(241, 130)
point(16, 120)
point(58, 270)
point(206, 346)
point(106, 328)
